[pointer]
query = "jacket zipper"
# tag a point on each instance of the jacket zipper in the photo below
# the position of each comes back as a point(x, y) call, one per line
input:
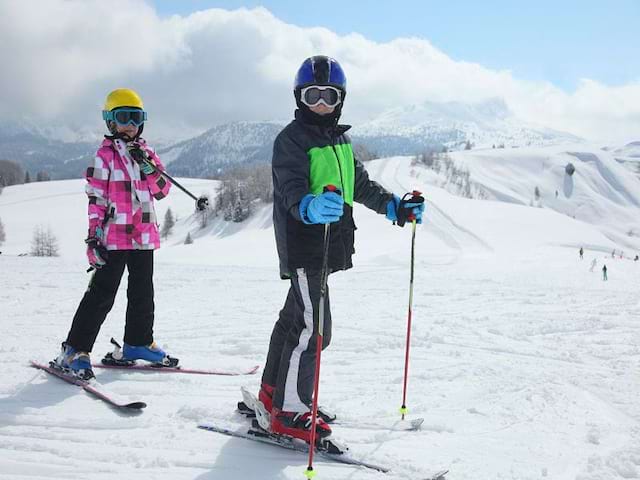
point(335, 152)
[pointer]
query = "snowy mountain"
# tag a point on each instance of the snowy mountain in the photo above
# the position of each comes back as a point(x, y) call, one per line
point(221, 147)
point(523, 360)
point(37, 152)
point(402, 131)
point(432, 125)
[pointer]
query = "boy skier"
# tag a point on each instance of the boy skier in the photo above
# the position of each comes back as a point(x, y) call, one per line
point(309, 154)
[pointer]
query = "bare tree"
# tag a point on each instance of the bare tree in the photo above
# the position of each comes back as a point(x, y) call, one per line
point(10, 173)
point(44, 242)
point(43, 176)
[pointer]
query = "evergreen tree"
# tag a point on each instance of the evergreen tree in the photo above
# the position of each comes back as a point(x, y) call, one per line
point(2, 234)
point(188, 240)
point(27, 177)
point(168, 224)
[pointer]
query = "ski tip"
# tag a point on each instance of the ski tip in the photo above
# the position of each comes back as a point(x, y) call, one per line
point(439, 476)
point(416, 424)
point(135, 406)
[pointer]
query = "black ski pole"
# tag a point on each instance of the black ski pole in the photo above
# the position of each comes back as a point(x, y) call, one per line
point(201, 202)
point(141, 157)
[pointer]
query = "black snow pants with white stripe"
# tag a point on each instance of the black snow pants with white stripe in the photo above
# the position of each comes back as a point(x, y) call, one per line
point(291, 361)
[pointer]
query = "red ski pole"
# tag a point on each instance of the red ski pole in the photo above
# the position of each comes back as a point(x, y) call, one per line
point(309, 472)
point(415, 198)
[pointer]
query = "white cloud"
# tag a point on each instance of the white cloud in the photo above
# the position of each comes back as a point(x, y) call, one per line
point(61, 57)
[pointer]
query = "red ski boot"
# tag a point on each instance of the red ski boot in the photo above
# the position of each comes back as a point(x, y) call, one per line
point(298, 425)
point(265, 395)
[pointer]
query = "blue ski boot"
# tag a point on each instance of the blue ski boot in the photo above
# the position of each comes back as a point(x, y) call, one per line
point(74, 362)
point(128, 354)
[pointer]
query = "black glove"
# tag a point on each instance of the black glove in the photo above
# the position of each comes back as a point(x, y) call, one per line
point(202, 203)
point(141, 158)
point(410, 208)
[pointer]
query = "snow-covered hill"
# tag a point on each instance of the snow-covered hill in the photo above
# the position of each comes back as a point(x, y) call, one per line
point(413, 129)
point(402, 131)
point(524, 362)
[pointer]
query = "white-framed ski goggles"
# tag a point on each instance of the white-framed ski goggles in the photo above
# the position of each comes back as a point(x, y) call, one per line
point(315, 94)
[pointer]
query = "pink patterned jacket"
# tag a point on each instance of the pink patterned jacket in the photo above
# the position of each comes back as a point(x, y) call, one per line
point(121, 198)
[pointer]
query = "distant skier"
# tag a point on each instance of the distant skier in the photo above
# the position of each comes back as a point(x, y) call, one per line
point(613, 253)
point(604, 273)
point(593, 264)
point(313, 151)
point(121, 185)
point(635, 259)
point(581, 253)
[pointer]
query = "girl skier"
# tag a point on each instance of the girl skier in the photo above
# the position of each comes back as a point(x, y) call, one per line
point(122, 183)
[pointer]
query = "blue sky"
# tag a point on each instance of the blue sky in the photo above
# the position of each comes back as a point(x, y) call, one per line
point(556, 41)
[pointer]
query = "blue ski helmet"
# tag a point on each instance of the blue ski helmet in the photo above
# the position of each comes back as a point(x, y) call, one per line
point(320, 70)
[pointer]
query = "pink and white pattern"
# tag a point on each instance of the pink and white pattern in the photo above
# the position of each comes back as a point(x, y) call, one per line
point(121, 198)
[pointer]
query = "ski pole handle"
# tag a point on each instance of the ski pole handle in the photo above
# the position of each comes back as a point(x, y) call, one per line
point(403, 213)
point(331, 188)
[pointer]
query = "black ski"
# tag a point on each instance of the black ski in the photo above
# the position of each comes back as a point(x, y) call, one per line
point(257, 434)
point(92, 387)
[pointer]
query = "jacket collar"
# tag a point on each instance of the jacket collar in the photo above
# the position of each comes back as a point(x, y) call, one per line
point(331, 131)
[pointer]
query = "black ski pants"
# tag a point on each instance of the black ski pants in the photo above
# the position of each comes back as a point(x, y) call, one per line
point(100, 296)
point(291, 361)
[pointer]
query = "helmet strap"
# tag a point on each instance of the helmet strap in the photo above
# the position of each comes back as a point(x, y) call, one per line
point(115, 135)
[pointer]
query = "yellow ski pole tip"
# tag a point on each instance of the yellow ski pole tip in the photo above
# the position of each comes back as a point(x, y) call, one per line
point(404, 410)
point(310, 473)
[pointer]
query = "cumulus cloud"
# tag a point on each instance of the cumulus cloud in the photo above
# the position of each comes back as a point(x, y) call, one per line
point(61, 57)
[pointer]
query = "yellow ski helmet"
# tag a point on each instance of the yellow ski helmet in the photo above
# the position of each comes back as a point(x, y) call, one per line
point(123, 97)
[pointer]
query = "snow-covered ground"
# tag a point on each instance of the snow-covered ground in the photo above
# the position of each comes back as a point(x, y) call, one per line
point(524, 363)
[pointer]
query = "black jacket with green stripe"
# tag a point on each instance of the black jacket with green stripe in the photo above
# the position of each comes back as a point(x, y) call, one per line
point(306, 158)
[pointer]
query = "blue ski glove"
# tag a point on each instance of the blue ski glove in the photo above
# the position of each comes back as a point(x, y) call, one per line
point(399, 210)
point(325, 208)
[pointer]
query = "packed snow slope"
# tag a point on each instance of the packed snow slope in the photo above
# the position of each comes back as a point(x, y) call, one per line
point(524, 362)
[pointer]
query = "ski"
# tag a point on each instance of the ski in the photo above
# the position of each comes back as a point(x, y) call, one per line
point(159, 368)
point(290, 443)
point(249, 405)
point(169, 364)
point(92, 387)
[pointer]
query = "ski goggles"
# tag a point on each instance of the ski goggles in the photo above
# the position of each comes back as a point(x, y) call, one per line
point(125, 116)
point(315, 94)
